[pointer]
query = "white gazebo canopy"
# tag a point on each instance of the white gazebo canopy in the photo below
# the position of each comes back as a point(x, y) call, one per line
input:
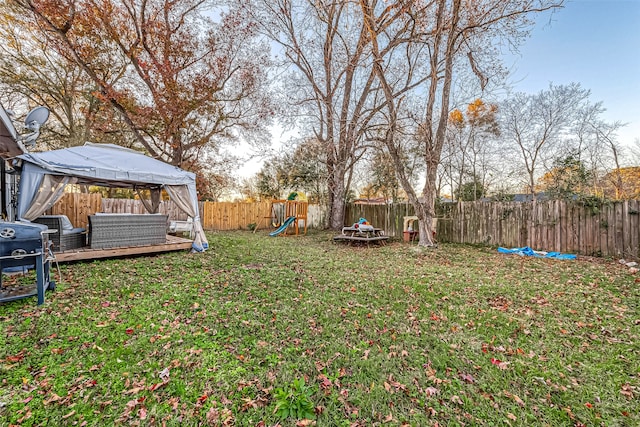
point(44, 176)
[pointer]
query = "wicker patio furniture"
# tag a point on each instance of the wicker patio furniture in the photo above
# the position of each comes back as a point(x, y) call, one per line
point(67, 236)
point(108, 231)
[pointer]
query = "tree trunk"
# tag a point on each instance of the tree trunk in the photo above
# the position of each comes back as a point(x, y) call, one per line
point(336, 198)
point(425, 206)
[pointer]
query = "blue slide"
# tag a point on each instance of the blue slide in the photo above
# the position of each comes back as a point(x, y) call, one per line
point(283, 227)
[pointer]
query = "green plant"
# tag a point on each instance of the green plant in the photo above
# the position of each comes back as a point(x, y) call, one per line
point(294, 401)
point(594, 203)
point(252, 226)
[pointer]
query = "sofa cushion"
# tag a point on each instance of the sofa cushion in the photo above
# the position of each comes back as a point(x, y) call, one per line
point(73, 230)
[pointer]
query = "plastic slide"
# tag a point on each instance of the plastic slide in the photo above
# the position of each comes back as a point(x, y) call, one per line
point(283, 227)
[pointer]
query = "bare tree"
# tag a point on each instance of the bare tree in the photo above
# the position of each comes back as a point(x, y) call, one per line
point(435, 38)
point(330, 85)
point(635, 151)
point(611, 154)
point(538, 126)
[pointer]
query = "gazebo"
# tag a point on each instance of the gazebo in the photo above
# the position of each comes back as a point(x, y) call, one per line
point(44, 176)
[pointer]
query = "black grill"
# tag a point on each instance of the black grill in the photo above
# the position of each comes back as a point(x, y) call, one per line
point(25, 245)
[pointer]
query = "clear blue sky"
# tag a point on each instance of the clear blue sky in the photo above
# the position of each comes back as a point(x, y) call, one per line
point(592, 42)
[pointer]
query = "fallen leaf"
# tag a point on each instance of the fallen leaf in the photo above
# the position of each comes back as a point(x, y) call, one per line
point(154, 387)
point(627, 390)
point(500, 364)
point(468, 378)
point(16, 358)
point(164, 374)
point(70, 414)
point(511, 416)
point(134, 390)
point(431, 391)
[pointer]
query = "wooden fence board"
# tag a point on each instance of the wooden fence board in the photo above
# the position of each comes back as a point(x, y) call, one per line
point(627, 231)
point(619, 228)
point(77, 207)
point(634, 229)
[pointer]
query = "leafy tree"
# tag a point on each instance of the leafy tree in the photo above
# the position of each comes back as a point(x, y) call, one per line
point(302, 170)
point(270, 180)
point(383, 178)
point(33, 73)
point(622, 184)
point(178, 79)
point(470, 191)
point(306, 170)
point(568, 177)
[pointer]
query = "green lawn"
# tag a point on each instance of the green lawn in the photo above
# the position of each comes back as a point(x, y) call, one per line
point(259, 331)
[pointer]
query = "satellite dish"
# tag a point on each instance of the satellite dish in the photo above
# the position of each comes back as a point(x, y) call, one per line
point(33, 121)
point(36, 118)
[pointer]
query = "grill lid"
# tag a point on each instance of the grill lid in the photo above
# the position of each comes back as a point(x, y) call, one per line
point(11, 231)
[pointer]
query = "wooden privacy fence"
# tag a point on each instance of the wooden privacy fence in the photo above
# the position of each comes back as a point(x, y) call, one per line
point(235, 216)
point(214, 215)
point(612, 229)
point(388, 217)
point(78, 206)
point(238, 215)
point(167, 207)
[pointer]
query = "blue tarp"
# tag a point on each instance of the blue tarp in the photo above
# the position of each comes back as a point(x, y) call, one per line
point(527, 251)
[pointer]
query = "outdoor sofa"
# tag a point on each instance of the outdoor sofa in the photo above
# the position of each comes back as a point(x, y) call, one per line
point(107, 231)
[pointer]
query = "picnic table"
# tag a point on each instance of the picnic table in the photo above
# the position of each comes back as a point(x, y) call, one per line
point(362, 234)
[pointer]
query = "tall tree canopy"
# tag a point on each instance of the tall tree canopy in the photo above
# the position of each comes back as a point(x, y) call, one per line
point(468, 156)
point(537, 126)
point(32, 73)
point(179, 79)
point(432, 43)
point(330, 83)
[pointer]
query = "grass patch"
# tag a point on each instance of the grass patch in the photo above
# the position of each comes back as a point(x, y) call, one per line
point(258, 330)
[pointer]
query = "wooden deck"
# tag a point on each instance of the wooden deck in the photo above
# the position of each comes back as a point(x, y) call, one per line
point(173, 243)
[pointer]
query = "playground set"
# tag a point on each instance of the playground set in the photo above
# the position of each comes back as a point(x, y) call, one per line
point(287, 214)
